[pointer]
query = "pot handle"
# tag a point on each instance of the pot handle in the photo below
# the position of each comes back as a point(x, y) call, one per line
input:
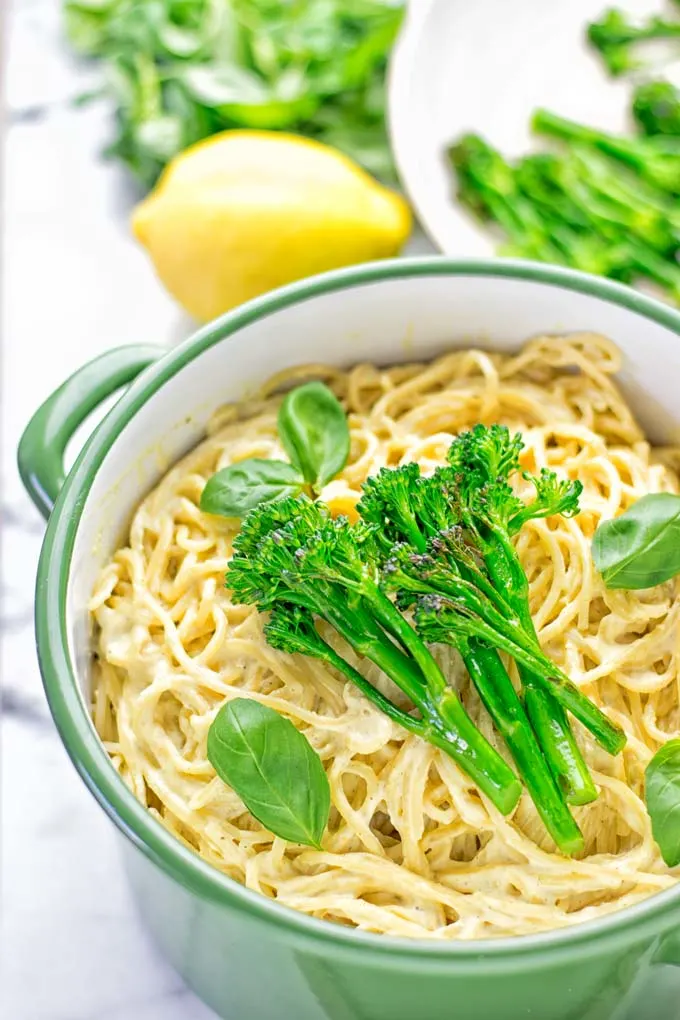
point(43, 445)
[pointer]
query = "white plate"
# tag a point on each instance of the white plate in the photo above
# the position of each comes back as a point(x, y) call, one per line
point(484, 66)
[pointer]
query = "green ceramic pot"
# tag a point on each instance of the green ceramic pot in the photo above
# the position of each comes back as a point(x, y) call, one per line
point(243, 954)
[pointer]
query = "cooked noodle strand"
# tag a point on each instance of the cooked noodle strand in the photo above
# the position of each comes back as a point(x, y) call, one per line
point(411, 848)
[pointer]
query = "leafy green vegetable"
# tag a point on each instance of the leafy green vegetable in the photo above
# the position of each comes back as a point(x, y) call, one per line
point(314, 432)
point(237, 489)
point(641, 547)
point(273, 769)
point(617, 37)
point(313, 429)
point(180, 70)
point(662, 795)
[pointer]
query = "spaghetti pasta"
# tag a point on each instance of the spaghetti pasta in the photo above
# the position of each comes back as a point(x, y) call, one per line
point(411, 848)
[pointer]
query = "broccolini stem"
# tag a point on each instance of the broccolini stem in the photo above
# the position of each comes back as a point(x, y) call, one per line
point(498, 627)
point(448, 624)
point(505, 708)
point(370, 642)
point(547, 123)
point(403, 719)
point(473, 752)
point(640, 154)
point(447, 725)
point(547, 715)
point(552, 728)
point(556, 738)
point(392, 620)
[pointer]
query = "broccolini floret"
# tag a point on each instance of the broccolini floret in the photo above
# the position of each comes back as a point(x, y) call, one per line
point(617, 37)
point(656, 108)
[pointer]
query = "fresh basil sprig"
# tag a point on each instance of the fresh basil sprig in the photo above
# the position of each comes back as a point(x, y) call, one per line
point(662, 794)
point(641, 548)
point(313, 430)
point(273, 768)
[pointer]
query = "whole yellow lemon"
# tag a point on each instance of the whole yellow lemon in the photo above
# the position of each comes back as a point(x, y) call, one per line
point(246, 211)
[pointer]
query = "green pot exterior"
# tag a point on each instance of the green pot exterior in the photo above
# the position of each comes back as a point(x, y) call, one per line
point(242, 968)
point(250, 958)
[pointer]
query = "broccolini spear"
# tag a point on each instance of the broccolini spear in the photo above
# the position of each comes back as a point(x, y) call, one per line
point(483, 460)
point(292, 629)
point(490, 187)
point(655, 159)
point(656, 108)
point(479, 606)
point(616, 37)
point(292, 558)
point(487, 185)
point(588, 191)
point(626, 236)
point(421, 548)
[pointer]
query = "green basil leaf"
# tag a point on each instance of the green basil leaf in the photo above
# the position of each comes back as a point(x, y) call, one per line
point(640, 548)
point(314, 431)
point(273, 768)
point(662, 794)
point(241, 487)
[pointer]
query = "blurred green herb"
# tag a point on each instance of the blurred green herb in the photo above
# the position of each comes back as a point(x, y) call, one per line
point(180, 70)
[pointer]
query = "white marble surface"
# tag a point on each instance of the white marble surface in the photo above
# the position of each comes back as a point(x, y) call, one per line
point(74, 285)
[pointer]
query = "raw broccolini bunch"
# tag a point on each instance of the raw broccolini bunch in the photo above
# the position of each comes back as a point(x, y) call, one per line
point(431, 560)
point(178, 71)
point(604, 204)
